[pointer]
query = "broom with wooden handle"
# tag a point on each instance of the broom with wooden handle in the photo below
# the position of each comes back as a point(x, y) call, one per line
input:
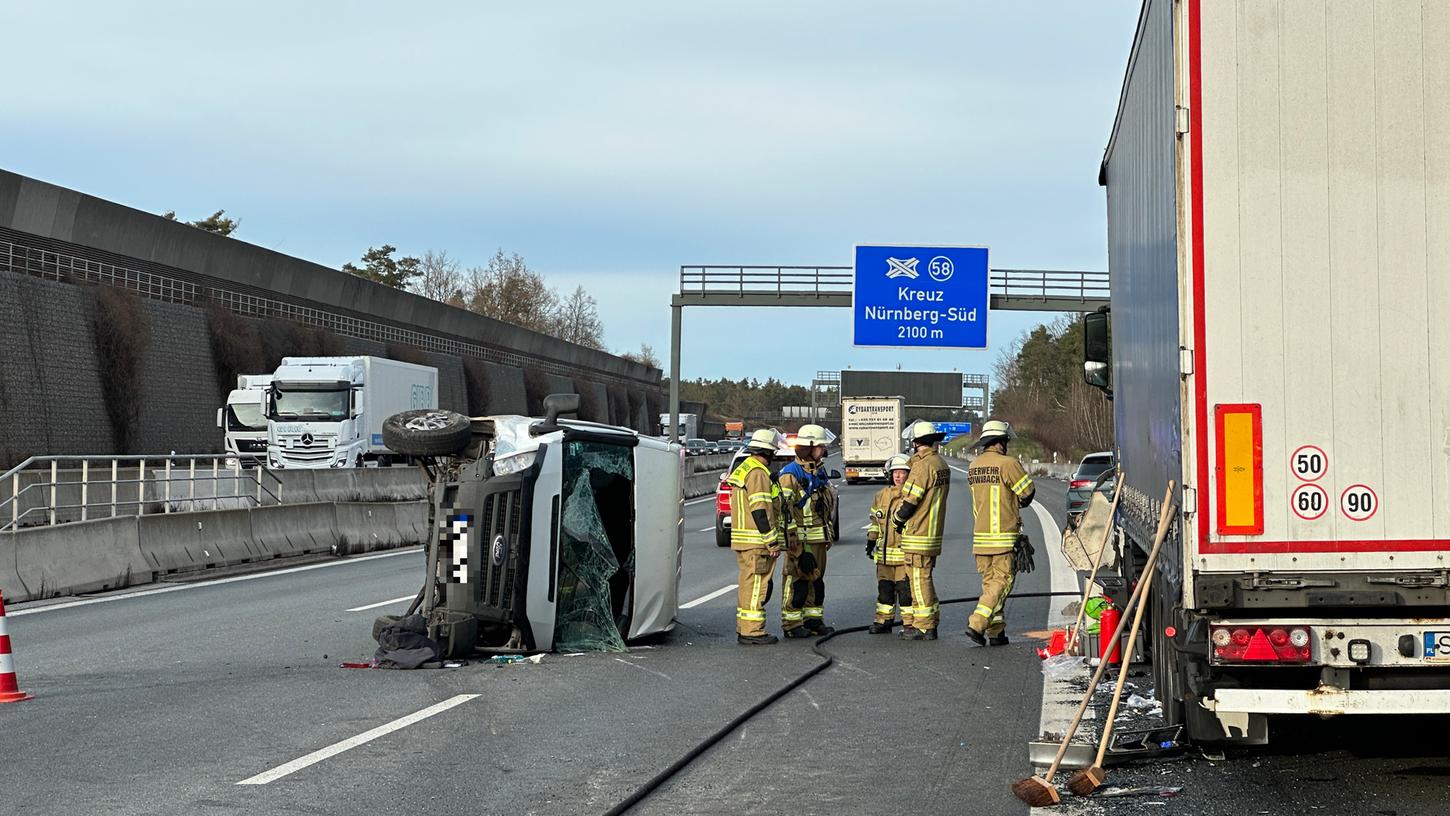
point(1038, 791)
point(1091, 581)
point(1087, 780)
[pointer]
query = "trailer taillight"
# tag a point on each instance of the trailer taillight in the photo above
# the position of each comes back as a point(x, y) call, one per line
point(1280, 644)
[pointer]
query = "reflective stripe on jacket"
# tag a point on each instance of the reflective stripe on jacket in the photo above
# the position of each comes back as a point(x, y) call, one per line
point(751, 489)
point(799, 497)
point(880, 529)
point(926, 486)
point(1000, 488)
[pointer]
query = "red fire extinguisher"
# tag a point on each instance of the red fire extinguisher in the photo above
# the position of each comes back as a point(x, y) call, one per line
point(1108, 635)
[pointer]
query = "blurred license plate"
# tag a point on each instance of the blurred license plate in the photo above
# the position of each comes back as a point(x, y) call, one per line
point(1437, 647)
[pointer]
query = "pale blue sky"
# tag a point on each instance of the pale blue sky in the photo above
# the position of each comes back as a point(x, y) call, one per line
point(607, 143)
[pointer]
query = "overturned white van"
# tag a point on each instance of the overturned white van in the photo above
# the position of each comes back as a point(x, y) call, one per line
point(547, 533)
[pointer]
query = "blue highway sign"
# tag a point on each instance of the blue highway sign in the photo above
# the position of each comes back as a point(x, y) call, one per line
point(920, 297)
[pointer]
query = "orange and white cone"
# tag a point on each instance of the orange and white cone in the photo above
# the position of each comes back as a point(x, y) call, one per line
point(9, 689)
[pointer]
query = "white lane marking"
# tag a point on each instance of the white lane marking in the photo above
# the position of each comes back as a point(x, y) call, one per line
point(383, 603)
point(701, 499)
point(712, 596)
point(642, 668)
point(1059, 699)
point(232, 580)
point(706, 530)
point(1063, 576)
point(353, 742)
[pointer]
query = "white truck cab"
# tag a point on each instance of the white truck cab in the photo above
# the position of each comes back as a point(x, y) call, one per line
point(327, 412)
point(243, 419)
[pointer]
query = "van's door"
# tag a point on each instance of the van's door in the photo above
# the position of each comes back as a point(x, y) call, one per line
point(542, 509)
point(659, 537)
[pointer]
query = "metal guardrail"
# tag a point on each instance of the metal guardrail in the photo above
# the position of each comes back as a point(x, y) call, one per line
point(1048, 286)
point(781, 280)
point(44, 480)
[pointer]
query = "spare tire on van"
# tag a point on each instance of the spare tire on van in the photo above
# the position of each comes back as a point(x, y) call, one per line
point(427, 432)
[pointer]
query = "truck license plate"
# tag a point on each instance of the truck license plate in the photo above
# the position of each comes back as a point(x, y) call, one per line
point(1437, 647)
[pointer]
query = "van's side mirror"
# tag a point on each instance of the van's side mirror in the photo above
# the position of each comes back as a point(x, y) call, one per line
point(835, 474)
point(554, 405)
point(1096, 375)
point(220, 417)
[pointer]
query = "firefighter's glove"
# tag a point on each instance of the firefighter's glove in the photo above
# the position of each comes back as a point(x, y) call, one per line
point(1022, 553)
point(871, 548)
point(898, 524)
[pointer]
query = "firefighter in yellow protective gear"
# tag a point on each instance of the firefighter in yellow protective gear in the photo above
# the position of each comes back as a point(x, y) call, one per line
point(1000, 489)
point(919, 521)
point(883, 545)
point(807, 495)
point(757, 535)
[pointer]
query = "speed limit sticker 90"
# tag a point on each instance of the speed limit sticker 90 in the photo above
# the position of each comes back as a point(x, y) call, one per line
point(1309, 463)
point(1309, 501)
point(1358, 502)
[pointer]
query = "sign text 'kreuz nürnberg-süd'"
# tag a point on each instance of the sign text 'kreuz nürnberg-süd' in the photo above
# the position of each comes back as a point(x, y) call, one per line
point(922, 297)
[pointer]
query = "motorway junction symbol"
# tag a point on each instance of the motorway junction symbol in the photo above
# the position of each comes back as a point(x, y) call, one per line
point(899, 268)
point(894, 305)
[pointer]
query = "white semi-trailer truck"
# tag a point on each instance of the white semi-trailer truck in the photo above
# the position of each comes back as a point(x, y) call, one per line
point(870, 434)
point(328, 412)
point(1278, 197)
point(243, 419)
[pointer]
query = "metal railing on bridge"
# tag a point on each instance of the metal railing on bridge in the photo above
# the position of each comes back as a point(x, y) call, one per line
point(1020, 289)
point(49, 490)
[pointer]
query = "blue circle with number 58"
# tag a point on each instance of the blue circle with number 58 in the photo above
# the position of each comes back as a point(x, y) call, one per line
point(940, 269)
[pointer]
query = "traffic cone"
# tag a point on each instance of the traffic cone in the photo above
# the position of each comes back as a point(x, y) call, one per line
point(9, 689)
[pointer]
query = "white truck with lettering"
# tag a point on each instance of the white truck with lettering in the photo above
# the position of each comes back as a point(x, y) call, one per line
point(243, 419)
point(870, 434)
point(1278, 196)
point(328, 412)
point(687, 428)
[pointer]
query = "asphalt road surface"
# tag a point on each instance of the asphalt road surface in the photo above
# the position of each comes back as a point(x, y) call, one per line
point(163, 700)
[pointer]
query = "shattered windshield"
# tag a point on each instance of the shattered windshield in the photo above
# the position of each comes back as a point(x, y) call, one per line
point(596, 565)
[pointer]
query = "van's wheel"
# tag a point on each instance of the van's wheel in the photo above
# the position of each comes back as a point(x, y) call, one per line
point(429, 432)
point(722, 533)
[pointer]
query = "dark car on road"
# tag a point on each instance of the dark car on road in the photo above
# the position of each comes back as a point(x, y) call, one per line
point(1096, 471)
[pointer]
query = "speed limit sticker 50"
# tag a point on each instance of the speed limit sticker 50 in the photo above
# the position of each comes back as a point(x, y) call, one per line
point(1358, 502)
point(1309, 463)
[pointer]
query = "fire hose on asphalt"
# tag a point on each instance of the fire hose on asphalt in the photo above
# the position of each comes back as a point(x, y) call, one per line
point(654, 783)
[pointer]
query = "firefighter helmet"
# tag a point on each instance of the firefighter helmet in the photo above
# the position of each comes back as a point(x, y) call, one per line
point(923, 432)
point(811, 436)
point(898, 462)
point(765, 441)
point(993, 431)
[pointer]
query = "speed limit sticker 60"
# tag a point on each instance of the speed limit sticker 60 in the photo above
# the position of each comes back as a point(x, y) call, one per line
point(1309, 501)
point(1358, 502)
